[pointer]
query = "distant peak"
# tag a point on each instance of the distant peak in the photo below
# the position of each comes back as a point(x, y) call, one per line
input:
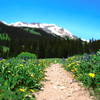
point(3, 22)
point(49, 28)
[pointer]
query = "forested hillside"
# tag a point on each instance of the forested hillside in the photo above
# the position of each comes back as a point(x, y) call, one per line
point(14, 40)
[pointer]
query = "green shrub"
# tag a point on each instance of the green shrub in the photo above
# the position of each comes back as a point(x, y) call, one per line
point(86, 69)
point(20, 78)
point(27, 55)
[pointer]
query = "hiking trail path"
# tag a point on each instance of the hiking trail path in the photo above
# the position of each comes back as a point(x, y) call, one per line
point(60, 85)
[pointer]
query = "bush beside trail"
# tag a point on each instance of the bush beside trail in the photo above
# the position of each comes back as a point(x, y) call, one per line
point(20, 78)
point(86, 68)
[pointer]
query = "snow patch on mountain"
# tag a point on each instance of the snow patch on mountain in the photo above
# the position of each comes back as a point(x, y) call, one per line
point(49, 28)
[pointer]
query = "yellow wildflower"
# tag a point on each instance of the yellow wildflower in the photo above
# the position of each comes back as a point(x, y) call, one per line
point(32, 75)
point(72, 70)
point(73, 75)
point(9, 71)
point(22, 90)
point(91, 75)
point(75, 69)
point(31, 90)
point(68, 65)
point(77, 64)
point(21, 65)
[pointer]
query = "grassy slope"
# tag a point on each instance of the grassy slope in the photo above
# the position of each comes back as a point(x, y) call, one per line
point(80, 66)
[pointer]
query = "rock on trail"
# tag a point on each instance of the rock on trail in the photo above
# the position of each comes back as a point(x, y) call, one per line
point(60, 85)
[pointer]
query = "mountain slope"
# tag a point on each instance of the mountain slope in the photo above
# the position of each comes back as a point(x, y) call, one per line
point(49, 28)
point(40, 39)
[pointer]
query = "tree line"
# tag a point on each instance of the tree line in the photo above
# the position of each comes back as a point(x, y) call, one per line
point(48, 48)
point(43, 44)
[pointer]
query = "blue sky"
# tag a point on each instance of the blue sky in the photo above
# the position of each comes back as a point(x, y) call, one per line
point(81, 17)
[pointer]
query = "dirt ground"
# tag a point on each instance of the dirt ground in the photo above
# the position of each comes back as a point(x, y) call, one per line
point(60, 85)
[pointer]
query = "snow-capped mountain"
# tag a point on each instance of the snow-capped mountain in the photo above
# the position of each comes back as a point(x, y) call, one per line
point(49, 28)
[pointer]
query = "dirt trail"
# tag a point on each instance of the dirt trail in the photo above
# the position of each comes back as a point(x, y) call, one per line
point(60, 85)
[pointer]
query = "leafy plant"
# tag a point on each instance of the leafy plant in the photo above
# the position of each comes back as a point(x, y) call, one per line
point(27, 55)
point(86, 68)
point(20, 78)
